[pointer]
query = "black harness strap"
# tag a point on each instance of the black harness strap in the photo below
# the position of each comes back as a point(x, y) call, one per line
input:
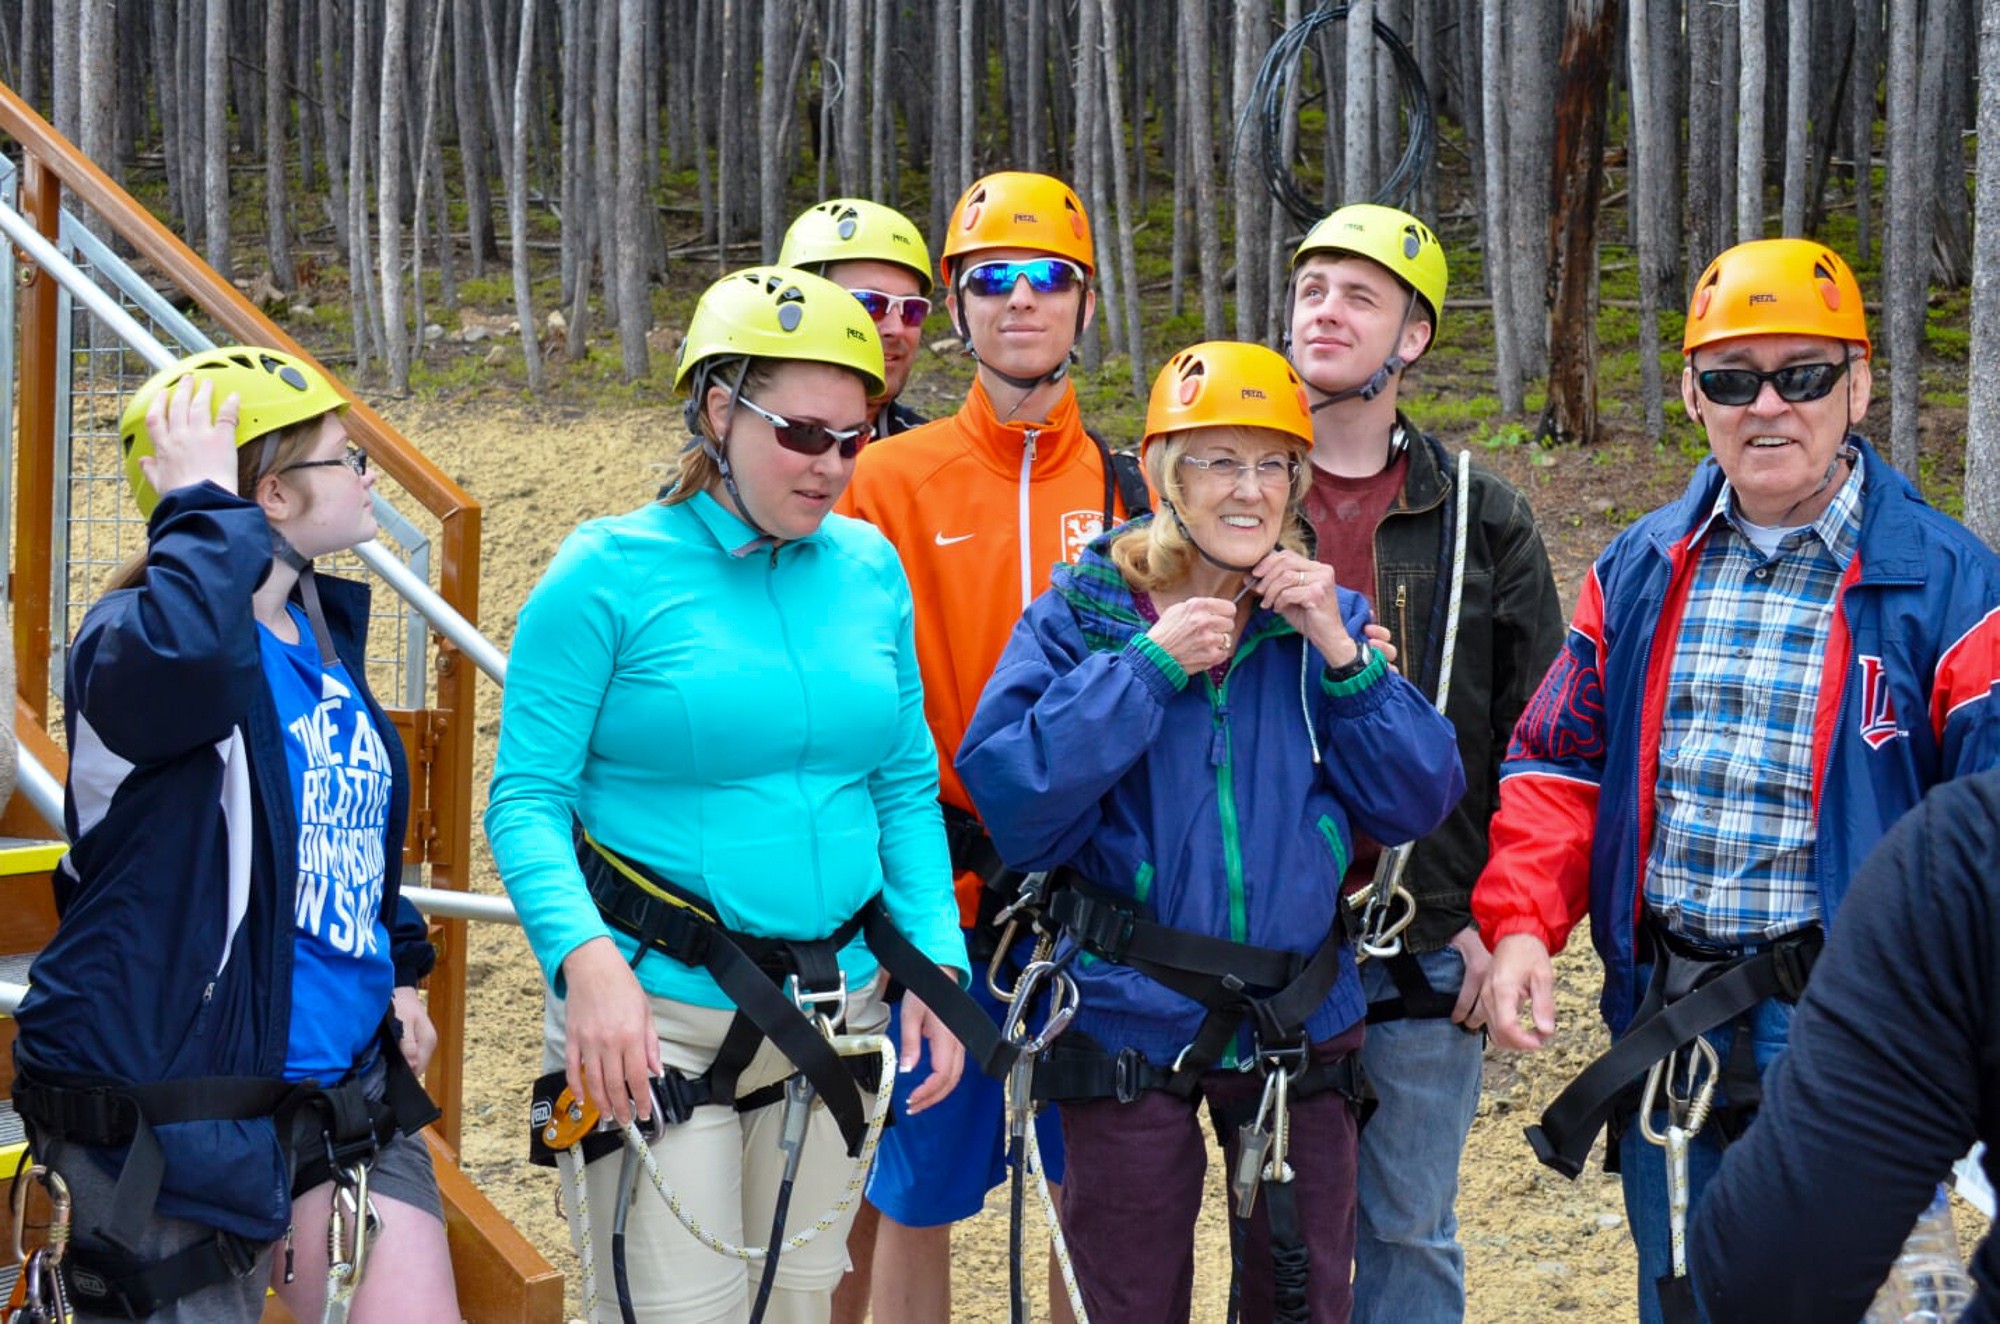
point(1415, 999)
point(1670, 1018)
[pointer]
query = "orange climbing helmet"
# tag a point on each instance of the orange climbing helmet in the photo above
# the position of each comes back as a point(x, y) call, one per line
point(1228, 383)
point(1774, 287)
point(1015, 209)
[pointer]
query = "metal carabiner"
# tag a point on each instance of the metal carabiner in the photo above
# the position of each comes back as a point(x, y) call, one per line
point(1383, 920)
point(343, 1275)
point(810, 1002)
point(59, 1211)
point(1689, 1083)
point(1063, 1000)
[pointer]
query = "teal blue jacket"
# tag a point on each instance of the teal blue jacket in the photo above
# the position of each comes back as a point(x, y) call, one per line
point(746, 720)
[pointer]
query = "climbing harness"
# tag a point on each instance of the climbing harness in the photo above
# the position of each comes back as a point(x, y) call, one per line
point(39, 1296)
point(109, 1279)
point(1687, 1083)
point(790, 992)
point(1692, 992)
point(570, 1125)
point(1063, 1000)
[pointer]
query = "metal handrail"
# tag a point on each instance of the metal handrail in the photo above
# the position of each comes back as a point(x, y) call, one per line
point(39, 787)
point(439, 903)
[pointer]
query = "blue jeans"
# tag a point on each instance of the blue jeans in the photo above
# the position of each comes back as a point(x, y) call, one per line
point(1644, 1164)
point(1408, 1265)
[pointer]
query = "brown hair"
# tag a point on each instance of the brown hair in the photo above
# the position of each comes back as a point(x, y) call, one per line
point(1157, 555)
point(286, 446)
point(694, 469)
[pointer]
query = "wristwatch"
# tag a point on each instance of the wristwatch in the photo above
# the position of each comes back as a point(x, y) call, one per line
point(1357, 664)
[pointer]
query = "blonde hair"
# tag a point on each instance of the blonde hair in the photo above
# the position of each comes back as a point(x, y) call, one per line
point(694, 469)
point(286, 446)
point(1157, 555)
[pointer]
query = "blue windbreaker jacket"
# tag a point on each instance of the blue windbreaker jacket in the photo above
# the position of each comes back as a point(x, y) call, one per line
point(1200, 802)
point(172, 957)
point(1905, 702)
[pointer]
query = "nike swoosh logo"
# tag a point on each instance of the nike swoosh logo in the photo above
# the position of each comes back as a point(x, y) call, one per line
point(943, 541)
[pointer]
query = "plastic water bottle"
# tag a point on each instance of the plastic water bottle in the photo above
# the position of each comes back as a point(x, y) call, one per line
point(1928, 1283)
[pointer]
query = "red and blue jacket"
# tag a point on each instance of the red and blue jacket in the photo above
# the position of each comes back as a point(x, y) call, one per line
point(1905, 702)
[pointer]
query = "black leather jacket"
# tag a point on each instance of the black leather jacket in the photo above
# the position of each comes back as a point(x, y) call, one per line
point(1510, 626)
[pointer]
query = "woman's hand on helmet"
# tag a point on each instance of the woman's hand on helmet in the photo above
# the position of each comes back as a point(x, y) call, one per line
point(1199, 633)
point(192, 442)
point(920, 1026)
point(1305, 593)
point(611, 1054)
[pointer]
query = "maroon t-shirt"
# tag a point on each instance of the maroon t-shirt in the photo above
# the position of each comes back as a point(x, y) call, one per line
point(1344, 513)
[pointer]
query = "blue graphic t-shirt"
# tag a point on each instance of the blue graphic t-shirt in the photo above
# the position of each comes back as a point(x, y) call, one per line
point(342, 974)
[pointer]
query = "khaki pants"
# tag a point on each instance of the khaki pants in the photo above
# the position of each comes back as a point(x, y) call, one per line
point(726, 1167)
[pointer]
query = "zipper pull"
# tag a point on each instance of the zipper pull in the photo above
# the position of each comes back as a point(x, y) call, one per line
point(1218, 741)
point(1031, 435)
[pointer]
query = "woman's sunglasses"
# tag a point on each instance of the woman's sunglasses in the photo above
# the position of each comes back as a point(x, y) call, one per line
point(811, 438)
point(1045, 275)
point(1796, 383)
point(912, 308)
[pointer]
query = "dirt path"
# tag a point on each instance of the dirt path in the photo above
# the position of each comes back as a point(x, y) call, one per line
point(1537, 1247)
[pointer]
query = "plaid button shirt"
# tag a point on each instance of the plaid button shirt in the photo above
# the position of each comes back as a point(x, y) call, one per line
point(1732, 854)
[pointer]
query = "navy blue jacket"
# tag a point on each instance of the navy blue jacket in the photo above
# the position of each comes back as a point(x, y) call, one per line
point(172, 956)
point(1200, 802)
point(1892, 1073)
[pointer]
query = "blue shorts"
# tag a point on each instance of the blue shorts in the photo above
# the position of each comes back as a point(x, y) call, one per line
point(935, 1168)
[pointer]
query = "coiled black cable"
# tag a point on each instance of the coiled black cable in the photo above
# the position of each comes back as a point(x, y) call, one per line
point(1265, 111)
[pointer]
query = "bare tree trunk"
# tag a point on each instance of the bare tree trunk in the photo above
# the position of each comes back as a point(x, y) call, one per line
point(517, 199)
point(603, 158)
point(635, 310)
point(728, 129)
point(1589, 41)
point(1644, 199)
point(1867, 45)
point(173, 133)
point(215, 136)
point(389, 189)
point(1750, 121)
point(1798, 100)
point(369, 338)
point(471, 135)
point(330, 101)
point(969, 81)
point(430, 166)
point(32, 55)
point(1277, 259)
point(1942, 118)
point(1122, 191)
point(1357, 174)
point(1250, 195)
point(1499, 253)
point(1197, 80)
point(1034, 114)
point(1088, 81)
point(853, 126)
point(773, 103)
point(881, 155)
point(277, 109)
point(1906, 239)
point(67, 37)
point(1531, 54)
point(97, 70)
point(1982, 417)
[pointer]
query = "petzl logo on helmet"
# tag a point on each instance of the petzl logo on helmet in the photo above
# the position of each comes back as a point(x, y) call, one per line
point(1026, 218)
point(1878, 714)
point(1252, 393)
point(1763, 298)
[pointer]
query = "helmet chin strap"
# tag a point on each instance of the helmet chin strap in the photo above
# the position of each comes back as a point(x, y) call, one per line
point(284, 553)
point(697, 403)
point(1378, 381)
point(1203, 552)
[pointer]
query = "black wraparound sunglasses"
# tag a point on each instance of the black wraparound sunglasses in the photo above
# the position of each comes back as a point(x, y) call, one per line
point(1795, 383)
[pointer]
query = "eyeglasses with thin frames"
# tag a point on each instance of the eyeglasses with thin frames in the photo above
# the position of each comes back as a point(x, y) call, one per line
point(810, 438)
point(355, 459)
point(1225, 471)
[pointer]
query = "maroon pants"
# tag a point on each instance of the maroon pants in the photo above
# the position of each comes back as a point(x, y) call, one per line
point(1134, 1186)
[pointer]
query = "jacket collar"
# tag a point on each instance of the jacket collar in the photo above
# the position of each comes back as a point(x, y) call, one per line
point(1425, 482)
point(731, 534)
point(1103, 605)
point(999, 443)
point(1892, 548)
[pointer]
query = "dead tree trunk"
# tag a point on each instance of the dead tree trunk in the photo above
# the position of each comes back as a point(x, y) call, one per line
point(1906, 239)
point(1750, 121)
point(389, 189)
point(277, 106)
point(334, 136)
point(1122, 194)
point(1982, 419)
point(517, 199)
point(1644, 198)
point(215, 136)
point(1357, 175)
point(1197, 81)
point(1499, 254)
point(1589, 43)
point(1799, 84)
point(635, 311)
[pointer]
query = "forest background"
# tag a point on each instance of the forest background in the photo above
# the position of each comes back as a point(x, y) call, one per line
point(576, 170)
point(504, 210)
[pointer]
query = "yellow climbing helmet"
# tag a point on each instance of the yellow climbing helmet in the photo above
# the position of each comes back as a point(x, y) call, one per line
point(781, 313)
point(1015, 209)
point(855, 230)
point(1395, 239)
point(1228, 383)
point(1775, 287)
point(275, 390)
